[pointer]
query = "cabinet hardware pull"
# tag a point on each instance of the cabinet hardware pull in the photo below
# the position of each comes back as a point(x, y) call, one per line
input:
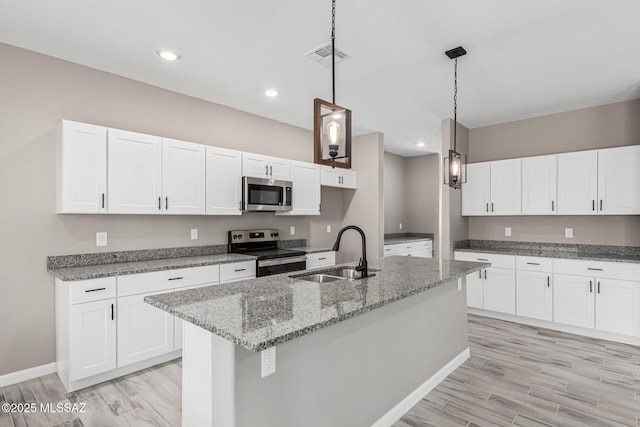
point(112, 312)
point(387, 250)
point(408, 247)
point(320, 259)
point(552, 206)
point(483, 259)
point(598, 286)
point(593, 205)
point(491, 206)
point(600, 205)
point(271, 170)
point(166, 203)
point(480, 274)
point(595, 269)
point(485, 275)
point(487, 206)
point(533, 263)
point(548, 282)
point(590, 286)
point(176, 278)
point(95, 290)
point(266, 170)
point(239, 269)
point(159, 203)
point(102, 200)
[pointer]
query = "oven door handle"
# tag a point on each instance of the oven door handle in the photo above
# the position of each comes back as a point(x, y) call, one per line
point(281, 261)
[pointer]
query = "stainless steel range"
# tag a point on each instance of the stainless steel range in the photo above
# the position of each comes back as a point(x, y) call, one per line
point(263, 244)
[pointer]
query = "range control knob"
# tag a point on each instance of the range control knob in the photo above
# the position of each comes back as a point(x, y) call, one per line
point(274, 234)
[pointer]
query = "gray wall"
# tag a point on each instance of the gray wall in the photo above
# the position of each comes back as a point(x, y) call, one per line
point(421, 188)
point(603, 126)
point(394, 193)
point(37, 92)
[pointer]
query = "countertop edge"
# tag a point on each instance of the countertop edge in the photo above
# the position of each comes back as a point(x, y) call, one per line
point(577, 256)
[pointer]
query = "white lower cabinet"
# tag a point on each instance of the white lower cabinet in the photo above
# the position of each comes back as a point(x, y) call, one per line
point(144, 331)
point(500, 290)
point(618, 306)
point(475, 290)
point(534, 295)
point(321, 259)
point(573, 300)
point(417, 248)
point(92, 338)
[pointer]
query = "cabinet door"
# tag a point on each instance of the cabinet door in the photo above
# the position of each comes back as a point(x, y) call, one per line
point(577, 183)
point(81, 168)
point(279, 169)
point(255, 165)
point(134, 172)
point(476, 191)
point(619, 181)
point(329, 176)
point(144, 331)
point(183, 177)
point(500, 290)
point(539, 185)
point(92, 339)
point(618, 306)
point(475, 290)
point(573, 300)
point(506, 187)
point(321, 259)
point(534, 295)
point(349, 179)
point(224, 181)
point(306, 189)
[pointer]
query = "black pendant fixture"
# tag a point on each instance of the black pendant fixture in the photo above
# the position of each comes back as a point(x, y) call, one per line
point(455, 166)
point(332, 123)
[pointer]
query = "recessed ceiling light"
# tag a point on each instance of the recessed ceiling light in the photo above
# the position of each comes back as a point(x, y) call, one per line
point(271, 93)
point(168, 55)
point(420, 144)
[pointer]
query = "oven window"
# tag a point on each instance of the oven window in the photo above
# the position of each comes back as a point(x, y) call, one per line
point(265, 195)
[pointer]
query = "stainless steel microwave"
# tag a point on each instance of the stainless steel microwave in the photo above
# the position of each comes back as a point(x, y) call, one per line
point(265, 195)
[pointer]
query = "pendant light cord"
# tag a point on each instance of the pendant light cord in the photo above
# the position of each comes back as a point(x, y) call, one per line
point(333, 48)
point(455, 101)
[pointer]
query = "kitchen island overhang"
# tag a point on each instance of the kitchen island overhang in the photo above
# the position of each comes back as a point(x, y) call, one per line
point(348, 352)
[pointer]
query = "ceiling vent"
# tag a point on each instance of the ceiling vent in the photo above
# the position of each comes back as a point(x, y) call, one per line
point(322, 55)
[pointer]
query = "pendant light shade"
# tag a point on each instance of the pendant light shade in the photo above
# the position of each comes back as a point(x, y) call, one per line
point(455, 165)
point(332, 123)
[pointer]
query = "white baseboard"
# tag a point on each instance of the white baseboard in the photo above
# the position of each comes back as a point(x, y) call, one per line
point(415, 396)
point(27, 374)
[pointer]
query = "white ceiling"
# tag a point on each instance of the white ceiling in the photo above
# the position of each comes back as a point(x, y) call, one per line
point(526, 58)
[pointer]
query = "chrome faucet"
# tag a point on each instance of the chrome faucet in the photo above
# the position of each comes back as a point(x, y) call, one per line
point(362, 266)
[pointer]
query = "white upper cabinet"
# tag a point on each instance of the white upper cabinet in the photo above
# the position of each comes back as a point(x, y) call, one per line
point(134, 172)
point(619, 181)
point(539, 185)
point(577, 183)
point(476, 195)
point(506, 187)
point(259, 166)
point(338, 177)
point(224, 181)
point(183, 177)
point(81, 168)
point(306, 189)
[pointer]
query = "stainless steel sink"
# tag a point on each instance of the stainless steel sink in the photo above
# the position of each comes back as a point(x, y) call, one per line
point(342, 273)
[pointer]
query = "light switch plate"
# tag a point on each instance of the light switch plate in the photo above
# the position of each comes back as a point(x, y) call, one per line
point(328, 228)
point(194, 234)
point(400, 226)
point(101, 238)
point(507, 231)
point(268, 359)
point(568, 233)
point(292, 230)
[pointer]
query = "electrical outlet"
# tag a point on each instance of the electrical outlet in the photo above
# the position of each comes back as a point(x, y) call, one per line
point(194, 234)
point(459, 283)
point(507, 231)
point(568, 233)
point(400, 226)
point(101, 238)
point(268, 358)
point(328, 228)
point(292, 230)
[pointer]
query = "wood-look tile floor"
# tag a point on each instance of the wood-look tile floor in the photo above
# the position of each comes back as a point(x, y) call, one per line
point(517, 375)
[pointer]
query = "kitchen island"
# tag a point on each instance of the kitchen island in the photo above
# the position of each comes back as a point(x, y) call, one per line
point(349, 352)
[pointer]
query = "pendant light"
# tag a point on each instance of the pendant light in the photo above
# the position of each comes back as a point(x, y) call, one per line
point(332, 123)
point(455, 165)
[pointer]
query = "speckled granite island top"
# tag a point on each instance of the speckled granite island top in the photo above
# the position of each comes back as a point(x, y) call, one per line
point(260, 313)
point(86, 272)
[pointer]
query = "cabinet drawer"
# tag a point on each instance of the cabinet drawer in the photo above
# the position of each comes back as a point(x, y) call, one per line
point(237, 271)
point(167, 279)
point(612, 270)
point(321, 259)
point(92, 290)
point(496, 260)
point(530, 263)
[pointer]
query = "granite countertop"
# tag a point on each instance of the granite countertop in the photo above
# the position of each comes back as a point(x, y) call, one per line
point(260, 313)
point(395, 240)
point(550, 250)
point(86, 272)
point(313, 249)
